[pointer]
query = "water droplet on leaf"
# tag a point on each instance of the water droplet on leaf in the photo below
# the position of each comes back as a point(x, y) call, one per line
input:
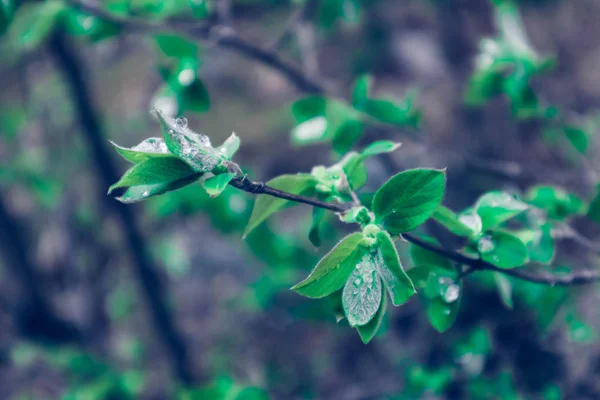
point(182, 121)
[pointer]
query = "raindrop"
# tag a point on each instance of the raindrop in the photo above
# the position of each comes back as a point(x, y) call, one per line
point(486, 244)
point(182, 122)
point(451, 294)
point(146, 193)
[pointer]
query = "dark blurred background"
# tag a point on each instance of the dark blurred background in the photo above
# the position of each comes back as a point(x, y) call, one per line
point(163, 299)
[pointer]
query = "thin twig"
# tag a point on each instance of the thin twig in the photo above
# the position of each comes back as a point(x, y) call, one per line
point(245, 184)
point(211, 32)
point(475, 264)
point(71, 68)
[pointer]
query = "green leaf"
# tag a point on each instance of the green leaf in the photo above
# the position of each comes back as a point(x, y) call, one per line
point(6, 14)
point(541, 248)
point(495, 208)
point(320, 119)
point(300, 184)
point(379, 147)
point(355, 170)
point(176, 46)
point(451, 221)
point(216, 184)
point(502, 249)
point(483, 85)
point(368, 331)
point(313, 234)
point(34, 22)
point(353, 163)
point(362, 293)
point(333, 270)
point(195, 96)
point(504, 287)
point(346, 134)
point(555, 201)
point(360, 93)
point(153, 177)
point(389, 268)
point(193, 148)
point(149, 148)
point(578, 138)
point(230, 146)
point(409, 198)
point(309, 108)
point(80, 23)
point(442, 314)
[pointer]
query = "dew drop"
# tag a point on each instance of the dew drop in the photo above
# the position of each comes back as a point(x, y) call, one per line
point(182, 122)
point(357, 281)
point(452, 293)
point(486, 244)
point(146, 193)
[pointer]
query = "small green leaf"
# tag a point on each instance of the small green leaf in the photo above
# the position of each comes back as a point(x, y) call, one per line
point(230, 146)
point(309, 108)
point(149, 148)
point(451, 221)
point(6, 14)
point(578, 138)
point(353, 163)
point(300, 184)
point(368, 331)
point(360, 93)
point(34, 22)
point(194, 96)
point(495, 208)
point(153, 177)
point(379, 147)
point(362, 293)
point(389, 268)
point(442, 314)
point(313, 234)
point(355, 170)
point(409, 198)
point(176, 46)
point(555, 201)
point(594, 208)
point(541, 248)
point(333, 270)
point(502, 249)
point(346, 135)
point(216, 184)
point(504, 289)
point(193, 148)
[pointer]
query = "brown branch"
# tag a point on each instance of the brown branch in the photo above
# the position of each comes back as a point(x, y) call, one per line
point(72, 70)
point(211, 32)
point(225, 38)
point(245, 184)
point(476, 264)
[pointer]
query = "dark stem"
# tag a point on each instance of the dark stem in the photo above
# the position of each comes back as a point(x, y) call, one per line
point(73, 72)
point(211, 32)
point(36, 316)
point(475, 264)
point(249, 186)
